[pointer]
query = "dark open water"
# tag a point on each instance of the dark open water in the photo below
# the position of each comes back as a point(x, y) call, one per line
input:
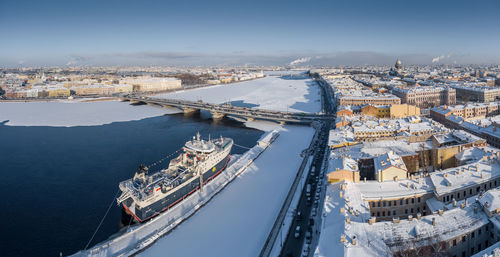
point(57, 183)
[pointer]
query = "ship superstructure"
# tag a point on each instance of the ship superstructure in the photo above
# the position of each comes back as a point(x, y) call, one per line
point(147, 195)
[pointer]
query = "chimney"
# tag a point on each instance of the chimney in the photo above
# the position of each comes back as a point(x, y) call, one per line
point(487, 204)
point(395, 220)
point(342, 210)
point(354, 240)
point(372, 220)
point(342, 239)
point(410, 217)
point(462, 205)
point(357, 213)
point(434, 221)
point(348, 220)
point(341, 194)
point(466, 201)
point(441, 212)
point(364, 179)
point(454, 203)
point(419, 216)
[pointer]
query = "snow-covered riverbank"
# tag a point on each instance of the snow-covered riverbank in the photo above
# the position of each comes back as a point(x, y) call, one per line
point(237, 221)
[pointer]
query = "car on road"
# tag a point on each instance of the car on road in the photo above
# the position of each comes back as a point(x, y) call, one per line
point(308, 237)
point(298, 216)
point(305, 251)
point(297, 232)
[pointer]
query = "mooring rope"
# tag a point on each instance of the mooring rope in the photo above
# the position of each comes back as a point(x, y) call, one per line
point(244, 147)
point(100, 223)
point(163, 159)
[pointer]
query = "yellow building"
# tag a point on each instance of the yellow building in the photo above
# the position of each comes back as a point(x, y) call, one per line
point(403, 110)
point(343, 168)
point(389, 166)
point(59, 92)
point(383, 111)
point(226, 80)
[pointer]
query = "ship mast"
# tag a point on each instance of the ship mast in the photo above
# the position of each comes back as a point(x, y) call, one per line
point(201, 179)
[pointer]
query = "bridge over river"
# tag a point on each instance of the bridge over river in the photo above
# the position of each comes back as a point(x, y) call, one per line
point(218, 111)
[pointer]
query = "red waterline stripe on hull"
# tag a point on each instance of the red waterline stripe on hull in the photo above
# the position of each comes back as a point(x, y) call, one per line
point(135, 217)
point(182, 198)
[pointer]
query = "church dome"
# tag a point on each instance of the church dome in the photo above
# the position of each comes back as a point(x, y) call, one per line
point(398, 65)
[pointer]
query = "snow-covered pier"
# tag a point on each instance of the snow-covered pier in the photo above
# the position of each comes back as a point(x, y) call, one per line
point(141, 236)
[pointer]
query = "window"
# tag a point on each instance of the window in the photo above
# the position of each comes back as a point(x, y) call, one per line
point(378, 214)
point(418, 209)
point(383, 213)
point(470, 191)
point(465, 193)
point(479, 231)
point(413, 200)
point(390, 203)
point(395, 202)
point(394, 212)
point(472, 250)
point(378, 204)
point(477, 189)
point(463, 238)
point(472, 234)
point(418, 199)
point(406, 211)
point(458, 195)
point(406, 200)
point(454, 242)
point(384, 203)
point(401, 202)
point(411, 210)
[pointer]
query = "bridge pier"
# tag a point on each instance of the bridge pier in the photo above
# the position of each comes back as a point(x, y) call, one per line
point(217, 115)
point(188, 110)
point(135, 102)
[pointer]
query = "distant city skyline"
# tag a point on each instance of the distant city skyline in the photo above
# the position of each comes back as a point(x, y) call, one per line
point(59, 33)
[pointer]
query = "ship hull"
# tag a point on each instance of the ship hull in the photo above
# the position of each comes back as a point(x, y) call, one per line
point(170, 200)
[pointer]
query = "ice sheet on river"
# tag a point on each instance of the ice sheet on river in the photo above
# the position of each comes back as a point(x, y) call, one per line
point(68, 114)
point(272, 93)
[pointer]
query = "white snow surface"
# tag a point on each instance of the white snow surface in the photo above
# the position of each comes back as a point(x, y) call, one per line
point(69, 113)
point(238, 220)
point(270, 93)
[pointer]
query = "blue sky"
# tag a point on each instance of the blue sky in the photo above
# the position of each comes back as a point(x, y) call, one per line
point(247, 32)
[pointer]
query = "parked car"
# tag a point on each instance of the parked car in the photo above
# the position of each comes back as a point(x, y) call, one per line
point(297, 232)
point(298, 216)
point(308, 237)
